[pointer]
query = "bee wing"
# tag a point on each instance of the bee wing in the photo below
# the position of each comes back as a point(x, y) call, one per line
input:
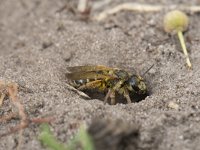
point(88, 68)
point(87, 75)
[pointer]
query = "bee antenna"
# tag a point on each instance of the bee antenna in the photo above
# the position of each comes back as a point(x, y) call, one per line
point(148, 70)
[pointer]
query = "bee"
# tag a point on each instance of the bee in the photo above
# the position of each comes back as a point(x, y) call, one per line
point(112, 80)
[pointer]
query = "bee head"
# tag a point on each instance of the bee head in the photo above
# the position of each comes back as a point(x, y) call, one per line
point(137, 84)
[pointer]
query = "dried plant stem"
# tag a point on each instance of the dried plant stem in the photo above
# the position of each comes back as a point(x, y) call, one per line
point(2, 96)
point(128, 6)
point(23, 126)
point(83, 5)
point(12, 92)
point(11, 89)
point(42, 120)
point(137, 7)
point(181, 38)
point(8, 117)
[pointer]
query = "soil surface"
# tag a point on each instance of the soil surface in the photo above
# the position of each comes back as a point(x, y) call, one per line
point(39, 39)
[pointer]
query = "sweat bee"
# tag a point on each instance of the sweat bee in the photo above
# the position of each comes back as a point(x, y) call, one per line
point(113, 80)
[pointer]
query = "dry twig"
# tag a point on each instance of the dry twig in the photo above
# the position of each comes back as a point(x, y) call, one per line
point(142, 8)
point(11, 90)
point(8, 117)
point(84, 6)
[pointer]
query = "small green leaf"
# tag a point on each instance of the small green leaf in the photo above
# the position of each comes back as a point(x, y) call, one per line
point(48, 139)
point(85, 139)
point(82, 139)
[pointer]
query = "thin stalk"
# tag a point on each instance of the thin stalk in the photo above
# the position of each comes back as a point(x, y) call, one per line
point(181, 38)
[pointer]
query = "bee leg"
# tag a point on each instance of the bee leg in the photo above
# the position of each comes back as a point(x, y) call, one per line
point(107, 96)
point(112, 97)
point(111, 92)
point(126, 95)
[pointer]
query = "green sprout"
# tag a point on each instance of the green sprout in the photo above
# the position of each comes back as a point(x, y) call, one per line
point(82, 139)
point(177, 22)
point(48, 139)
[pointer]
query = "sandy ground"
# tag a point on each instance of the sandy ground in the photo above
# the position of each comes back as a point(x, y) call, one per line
point(38, 42)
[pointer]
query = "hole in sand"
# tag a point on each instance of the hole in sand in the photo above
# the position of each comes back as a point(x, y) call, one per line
point(95, 94)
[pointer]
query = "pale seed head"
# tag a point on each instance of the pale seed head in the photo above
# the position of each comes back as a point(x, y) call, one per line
point(175, 21)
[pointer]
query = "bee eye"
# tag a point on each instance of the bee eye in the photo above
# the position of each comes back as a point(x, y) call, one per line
point(133, 84)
